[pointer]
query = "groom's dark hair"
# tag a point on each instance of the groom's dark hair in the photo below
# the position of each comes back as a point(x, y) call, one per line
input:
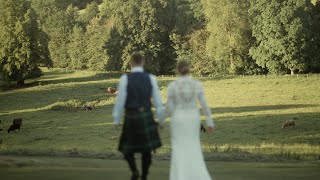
point(137, 58)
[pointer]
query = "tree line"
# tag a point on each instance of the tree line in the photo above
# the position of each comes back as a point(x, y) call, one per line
point(218, 37)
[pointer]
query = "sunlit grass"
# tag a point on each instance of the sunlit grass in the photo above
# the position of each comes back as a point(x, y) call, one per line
point(249, 112)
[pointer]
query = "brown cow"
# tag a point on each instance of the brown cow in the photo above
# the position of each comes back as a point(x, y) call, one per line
point(112, 91)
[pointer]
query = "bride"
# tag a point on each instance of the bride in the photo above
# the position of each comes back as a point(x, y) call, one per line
point(187, 162)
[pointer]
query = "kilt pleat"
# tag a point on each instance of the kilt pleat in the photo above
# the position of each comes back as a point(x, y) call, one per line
point(140, 133)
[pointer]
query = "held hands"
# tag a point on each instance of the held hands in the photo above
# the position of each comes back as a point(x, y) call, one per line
point(160, 125)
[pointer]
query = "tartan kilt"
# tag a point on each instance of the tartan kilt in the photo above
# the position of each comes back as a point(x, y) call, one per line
point(140, 133)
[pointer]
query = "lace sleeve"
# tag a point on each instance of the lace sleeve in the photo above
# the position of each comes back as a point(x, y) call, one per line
point(170, 100)
point(205, 109)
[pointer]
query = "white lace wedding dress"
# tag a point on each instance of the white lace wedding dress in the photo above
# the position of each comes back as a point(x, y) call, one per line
point(187, 162)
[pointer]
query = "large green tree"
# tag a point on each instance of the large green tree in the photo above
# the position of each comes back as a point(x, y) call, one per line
point(185, 22)
point(44, 9)
point(96, 35)
point(283, 31)
point(91, 11)
point(76, 49)
point(23, 45)
point(59, 26)
point(142, 25)
point(230, 33)
point(315, 46)
point(190, 35)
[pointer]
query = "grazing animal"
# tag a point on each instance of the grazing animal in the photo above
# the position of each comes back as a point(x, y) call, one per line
point(288, 123)
point(203, 129)
point(16, 124)
point(88, 108)
point(112, 91)
point(116, 138)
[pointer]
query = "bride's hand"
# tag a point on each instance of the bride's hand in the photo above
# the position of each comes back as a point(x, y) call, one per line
point(210, 130)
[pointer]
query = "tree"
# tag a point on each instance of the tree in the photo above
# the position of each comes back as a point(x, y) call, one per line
point(23, 45)
point(97, 33)
point(140, 26)
point(201, 63)
point(230, 33)
point(78, 3)
point(76, 49)
point(315, 46)
point(190, 35)
point(44, 9)
point(186, 18)
point(59, 26)
point(91, 11)
point(282, 29)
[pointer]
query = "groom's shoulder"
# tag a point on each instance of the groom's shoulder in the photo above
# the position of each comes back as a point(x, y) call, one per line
point(123, 76)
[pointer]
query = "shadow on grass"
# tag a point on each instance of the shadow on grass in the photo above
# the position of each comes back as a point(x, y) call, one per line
point(222, 110)
point(94, 128)
point(268, 128)
point(46, 95)
point(57, 77)
point(13, 86)
point(96, 77)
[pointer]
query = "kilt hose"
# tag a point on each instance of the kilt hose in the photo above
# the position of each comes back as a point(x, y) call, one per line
point(140, 133)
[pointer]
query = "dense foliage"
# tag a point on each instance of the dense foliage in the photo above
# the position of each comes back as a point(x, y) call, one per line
point(283, 32)
point(23, 45)
point(218, 37)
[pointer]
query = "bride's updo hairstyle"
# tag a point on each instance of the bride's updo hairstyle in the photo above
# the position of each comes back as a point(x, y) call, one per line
point(183, 67)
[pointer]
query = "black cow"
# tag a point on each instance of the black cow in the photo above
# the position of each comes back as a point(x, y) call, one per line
point(16, 124)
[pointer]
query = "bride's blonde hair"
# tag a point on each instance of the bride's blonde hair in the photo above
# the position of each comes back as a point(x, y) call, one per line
point(183, 67)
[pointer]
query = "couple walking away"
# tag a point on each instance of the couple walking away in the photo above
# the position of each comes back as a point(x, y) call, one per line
point(137, 92)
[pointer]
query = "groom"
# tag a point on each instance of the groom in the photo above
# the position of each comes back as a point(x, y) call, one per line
point(140, 131)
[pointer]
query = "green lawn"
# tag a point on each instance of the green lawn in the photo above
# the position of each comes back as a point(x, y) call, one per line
point(248, 112)
point(38, 168)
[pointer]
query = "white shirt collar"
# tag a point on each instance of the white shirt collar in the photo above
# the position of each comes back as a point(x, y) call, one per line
point(137, 69)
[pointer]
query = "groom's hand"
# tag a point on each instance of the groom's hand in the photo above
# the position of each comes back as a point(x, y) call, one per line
point(210, 130)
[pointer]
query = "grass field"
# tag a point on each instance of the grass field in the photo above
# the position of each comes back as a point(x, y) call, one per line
point(248, 111)
point(36, 168)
